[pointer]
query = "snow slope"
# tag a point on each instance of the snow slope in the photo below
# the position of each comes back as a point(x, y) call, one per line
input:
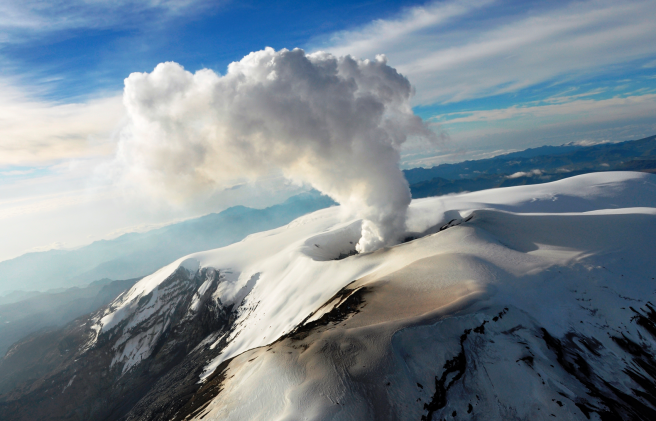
point(574, 252)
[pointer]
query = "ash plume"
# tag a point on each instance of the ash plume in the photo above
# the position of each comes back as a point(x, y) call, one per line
point(336, 124)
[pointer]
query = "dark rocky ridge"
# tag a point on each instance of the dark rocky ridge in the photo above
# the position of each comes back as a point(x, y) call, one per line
point(49, 311)
point(58, 379)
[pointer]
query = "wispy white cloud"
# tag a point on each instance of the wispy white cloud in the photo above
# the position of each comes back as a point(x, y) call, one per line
point(52, 246)
point(26, 19)
point(42, 204)
point(532, 173)
point(592, 142)
point(14, 173)
point(384, 36)
point(613, 108)
point(504, 53)
point(650, 65)
point(564, 97)
point(34, 131)
point(584, 121)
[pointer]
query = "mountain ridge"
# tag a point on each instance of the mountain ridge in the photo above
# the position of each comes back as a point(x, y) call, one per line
point(139, 254)
point(570, 158)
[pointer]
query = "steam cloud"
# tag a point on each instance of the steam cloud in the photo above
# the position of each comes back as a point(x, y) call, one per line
point(335, 123)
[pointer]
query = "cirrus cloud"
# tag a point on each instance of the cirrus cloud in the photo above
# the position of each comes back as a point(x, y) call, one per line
point(452, 51)
point(37, 132)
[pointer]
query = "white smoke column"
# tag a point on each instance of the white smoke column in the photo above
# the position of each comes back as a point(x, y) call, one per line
point(335, 123)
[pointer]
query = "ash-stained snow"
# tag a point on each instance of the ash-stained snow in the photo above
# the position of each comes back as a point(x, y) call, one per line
point(498, 311)
point(521, 248)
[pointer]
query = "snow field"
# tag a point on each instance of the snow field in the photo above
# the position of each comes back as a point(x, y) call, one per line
point(527, 248)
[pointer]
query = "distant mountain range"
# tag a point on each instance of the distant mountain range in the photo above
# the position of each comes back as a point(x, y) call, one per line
point(139, 254)
point(43, 312)
point(533, 166)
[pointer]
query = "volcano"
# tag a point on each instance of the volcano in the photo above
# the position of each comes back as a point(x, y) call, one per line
point(530, 302)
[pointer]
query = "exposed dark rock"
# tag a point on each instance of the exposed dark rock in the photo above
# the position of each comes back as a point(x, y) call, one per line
point(60, 379)
point(617, 405)
point(456, 365)
point(44, 312)
point(345, 255)
point(345, 303)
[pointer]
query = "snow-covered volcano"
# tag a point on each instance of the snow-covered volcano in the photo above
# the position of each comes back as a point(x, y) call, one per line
point(528, 302)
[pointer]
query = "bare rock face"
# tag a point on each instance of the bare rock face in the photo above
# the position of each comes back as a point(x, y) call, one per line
point(73, 373)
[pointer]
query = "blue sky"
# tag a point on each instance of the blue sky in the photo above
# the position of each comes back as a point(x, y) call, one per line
point(491, 75)
point(96, 54)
